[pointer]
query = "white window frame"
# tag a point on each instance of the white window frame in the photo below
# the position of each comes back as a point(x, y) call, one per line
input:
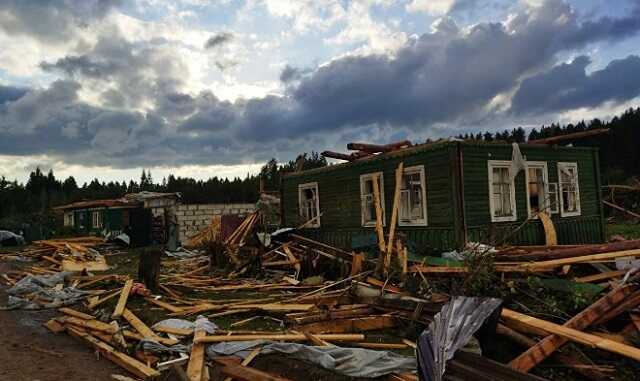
point(301, 189)
point(577, 181)
point(553, 209)
point(363, 179)
point(545, 179)
point(69, 219)
point(514, 214)
point(96, 219)
point(423, 221)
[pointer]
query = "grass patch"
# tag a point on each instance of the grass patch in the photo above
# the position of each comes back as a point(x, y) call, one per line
point(627, 230)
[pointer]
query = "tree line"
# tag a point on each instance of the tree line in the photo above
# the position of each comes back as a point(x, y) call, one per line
point(619, 151)
point(32, 201)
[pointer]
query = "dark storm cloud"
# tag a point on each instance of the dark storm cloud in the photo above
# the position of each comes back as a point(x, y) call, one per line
point(446, 78)
point(10, 94)
point(51, 20)
point(81, 65)
point(567, 86)
point(135, 73)
point(218, 40)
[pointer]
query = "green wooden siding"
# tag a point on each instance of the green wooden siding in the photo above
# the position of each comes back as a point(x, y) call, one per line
point(340, 205)
point(585, 228)
point(112, 220)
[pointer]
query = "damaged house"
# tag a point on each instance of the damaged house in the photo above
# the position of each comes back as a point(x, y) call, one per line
point(452, 192)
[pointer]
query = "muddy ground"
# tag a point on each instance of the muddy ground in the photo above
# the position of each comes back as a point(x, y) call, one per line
point(30, 352)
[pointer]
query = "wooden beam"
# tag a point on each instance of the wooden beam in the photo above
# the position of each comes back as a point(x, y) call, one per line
point(586, 258)
point(394, 217)
point(337, 155)
point(379, 220)
point(369, 323)
point(600, 276)
point(196, 359)
point(247, 360)
point(536, 354)
point(573, 334)
point(165, 305)
point(122, 302)
point(565, 359)
point(129, 363)
point(550, 235)
point(74, 313)
point(245, 373)
point(617, 207)
point(572, 136)
point(376, 148)
point(139, 326)
point(280, 337)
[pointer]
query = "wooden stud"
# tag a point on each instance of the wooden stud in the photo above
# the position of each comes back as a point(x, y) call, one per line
point(196, 360)
point(537, 353)
point(573, 334)
point(122, 302)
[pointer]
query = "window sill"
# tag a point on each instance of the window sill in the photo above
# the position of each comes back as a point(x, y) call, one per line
point(504, 219)
point(570, 214)
point(413, 223)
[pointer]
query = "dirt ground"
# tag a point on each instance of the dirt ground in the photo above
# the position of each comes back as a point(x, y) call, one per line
point(29, 352)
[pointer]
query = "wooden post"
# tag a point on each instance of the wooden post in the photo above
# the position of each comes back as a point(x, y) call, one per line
point(149, 268)
point(379, 229)
point(394, 216)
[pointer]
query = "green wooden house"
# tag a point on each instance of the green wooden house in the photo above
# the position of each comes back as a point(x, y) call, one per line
point(452, 193)
point(98, 216)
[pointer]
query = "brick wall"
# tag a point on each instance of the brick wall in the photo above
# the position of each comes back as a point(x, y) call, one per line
point(194, 218)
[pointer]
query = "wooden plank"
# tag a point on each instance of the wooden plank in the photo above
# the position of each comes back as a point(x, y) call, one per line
point(536, 354)
point(122, 302)
point(196, 359)
point(581, 259)
point(379, 222)
point(370, 323)
point(573, 334)
point(280, 337)
point(572, 136)
point(78, 314)
point(98, 302)
point(563, 358)
point(600, 276)
point(394, 217)
point(247, 360)
point(69, 265)
point(165, 305)
point(292, 259)
point(315, 340)
point(275, 307)
point(550, 235)
point(174, 331)
point(245, 373)
point(130, 364)
point(614, 206)
point(53, 326)
point(94, 325)
point(381, 345)
point(139, 326)
point(356, 264)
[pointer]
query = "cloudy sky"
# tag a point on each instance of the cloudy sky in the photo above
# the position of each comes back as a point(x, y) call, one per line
point(200, 88)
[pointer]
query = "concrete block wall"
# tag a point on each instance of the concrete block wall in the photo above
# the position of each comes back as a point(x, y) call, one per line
point(194, 218)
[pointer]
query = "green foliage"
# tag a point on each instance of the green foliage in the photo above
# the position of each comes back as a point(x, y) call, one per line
point(628, 231)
